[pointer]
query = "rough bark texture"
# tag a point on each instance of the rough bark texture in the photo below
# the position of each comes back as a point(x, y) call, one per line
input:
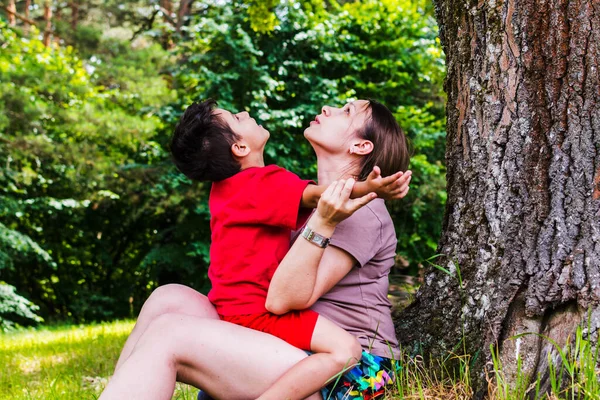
point(522, 220)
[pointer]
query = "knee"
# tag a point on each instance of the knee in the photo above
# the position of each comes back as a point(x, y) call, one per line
point(163, 299)
point(168, 295)
point(174, 298)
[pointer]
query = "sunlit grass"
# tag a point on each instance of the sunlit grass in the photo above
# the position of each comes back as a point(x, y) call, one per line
point(64, 362)
point(75, 362)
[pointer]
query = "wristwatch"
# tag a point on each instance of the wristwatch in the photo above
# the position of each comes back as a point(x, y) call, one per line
point(314, 237)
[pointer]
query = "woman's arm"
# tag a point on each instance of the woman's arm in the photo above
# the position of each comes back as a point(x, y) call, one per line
point(297, 272)
point(300, 281)
point(294, 285)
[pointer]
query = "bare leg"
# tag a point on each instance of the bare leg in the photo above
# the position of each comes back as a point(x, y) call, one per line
point(225, 360)
point(336, 351)
point(176, 299)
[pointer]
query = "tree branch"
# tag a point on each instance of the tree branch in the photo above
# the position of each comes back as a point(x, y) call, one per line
point(167, 16)
point(19, 16)
point(147, 25)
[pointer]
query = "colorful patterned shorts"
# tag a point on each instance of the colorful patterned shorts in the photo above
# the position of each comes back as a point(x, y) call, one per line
point(367, 380)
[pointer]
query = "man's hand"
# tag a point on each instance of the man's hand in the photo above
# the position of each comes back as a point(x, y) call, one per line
point(335, 204)
point(391, 187)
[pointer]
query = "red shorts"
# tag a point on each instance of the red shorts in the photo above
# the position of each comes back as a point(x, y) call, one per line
point(295, 327)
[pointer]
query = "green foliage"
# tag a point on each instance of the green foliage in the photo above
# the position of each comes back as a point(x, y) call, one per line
point(383, 50)
point(15, 308)
point(572, 368)
point(261, 15)
point(94, 215)
point(78, 172)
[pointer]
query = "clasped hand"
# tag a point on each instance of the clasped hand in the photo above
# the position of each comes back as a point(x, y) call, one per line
point(335, 204)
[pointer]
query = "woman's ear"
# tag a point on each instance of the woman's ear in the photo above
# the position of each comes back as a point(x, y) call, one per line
point(362, 147)
point(240, 149)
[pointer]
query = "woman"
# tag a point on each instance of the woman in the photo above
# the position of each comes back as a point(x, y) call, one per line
point(179, 336)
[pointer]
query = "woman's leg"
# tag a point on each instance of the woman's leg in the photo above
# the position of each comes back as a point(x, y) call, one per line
point(225, 360)
point(176, 299)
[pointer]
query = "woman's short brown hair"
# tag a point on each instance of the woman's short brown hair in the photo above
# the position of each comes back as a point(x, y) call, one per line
point(390, 146)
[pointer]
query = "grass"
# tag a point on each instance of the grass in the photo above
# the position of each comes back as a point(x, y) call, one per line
point(575, 378)
point(74, 362)
point(69, 362)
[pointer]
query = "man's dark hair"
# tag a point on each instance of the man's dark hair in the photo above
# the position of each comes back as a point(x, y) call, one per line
point(390, 147)
point(201, 144)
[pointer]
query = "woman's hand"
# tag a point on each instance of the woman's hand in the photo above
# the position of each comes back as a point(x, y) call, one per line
point(391, 187)
point(335, 204)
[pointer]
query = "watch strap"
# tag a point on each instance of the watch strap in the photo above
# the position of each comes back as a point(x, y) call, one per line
point(314, 237)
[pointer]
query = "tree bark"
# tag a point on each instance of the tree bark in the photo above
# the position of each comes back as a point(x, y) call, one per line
point(182, 13)
point(12, 10)
point(26, 12)
point(74, 14)
point(167, 6)
point(522, 222)
point(18, 16)
point(48, 20)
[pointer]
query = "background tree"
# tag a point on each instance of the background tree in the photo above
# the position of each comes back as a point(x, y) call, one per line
point(520, 249)
point(93, 214)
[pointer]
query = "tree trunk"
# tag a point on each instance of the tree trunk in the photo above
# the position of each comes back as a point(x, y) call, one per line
point(12, 10)
point(48, 20)
point(167, 6)
point(522, 223)
point(26, 12)
point(74, 14)
point(182, 13)
point(18, 16)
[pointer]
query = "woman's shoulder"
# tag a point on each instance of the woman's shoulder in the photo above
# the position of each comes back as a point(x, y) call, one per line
point(372, 220)
point(373, 214)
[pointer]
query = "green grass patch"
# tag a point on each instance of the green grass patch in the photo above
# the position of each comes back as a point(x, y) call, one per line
point(75, 362)
point(68, 362)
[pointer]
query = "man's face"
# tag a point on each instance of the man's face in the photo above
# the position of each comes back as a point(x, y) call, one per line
point(254, 135)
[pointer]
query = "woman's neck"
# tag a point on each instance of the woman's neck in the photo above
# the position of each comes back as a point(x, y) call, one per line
point(331, 168)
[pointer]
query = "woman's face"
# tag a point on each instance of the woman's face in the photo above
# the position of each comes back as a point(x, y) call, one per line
point(335, 128)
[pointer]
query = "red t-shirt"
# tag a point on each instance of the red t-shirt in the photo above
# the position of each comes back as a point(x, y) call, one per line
point(252, 216)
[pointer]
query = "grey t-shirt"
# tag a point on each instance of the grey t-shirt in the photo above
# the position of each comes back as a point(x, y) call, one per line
point(359, 302)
